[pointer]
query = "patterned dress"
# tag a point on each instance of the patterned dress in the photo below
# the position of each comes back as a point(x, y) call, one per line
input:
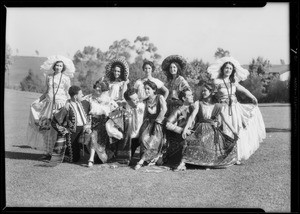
point(116, 90)
point(151, 138)
point(44, 140)
point(175, 86)
point(245, 118)
point(208, 146)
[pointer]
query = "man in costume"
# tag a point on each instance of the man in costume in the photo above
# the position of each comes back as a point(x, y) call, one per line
point(71, 122)
point(174, 125)
point(126, 137)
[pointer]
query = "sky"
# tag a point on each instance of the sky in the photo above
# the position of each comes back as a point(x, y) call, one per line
point(194, 33)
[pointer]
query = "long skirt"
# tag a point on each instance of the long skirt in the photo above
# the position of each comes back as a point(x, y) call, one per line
point(99, 140)
point(151, 140)
point(37, 137)
point(248, 121)
point(209, 147)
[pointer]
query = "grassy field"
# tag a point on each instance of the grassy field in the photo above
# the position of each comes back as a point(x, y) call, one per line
point(262, 182)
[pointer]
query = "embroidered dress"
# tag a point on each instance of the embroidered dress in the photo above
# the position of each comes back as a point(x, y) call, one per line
point(245, 118)
point(139, 86)
point(176, 143)
point(99, 141)
point(151, 137)
point(58, 86)
point(175, 86)
point(116, 90)
point(208, 146)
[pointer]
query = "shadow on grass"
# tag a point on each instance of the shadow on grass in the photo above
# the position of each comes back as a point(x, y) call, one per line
point(22, 156)
point(277, 130)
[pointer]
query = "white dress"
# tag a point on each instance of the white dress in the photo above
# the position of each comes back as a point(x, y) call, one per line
point(245, 118)
point(44, 140)
point(139, 85)
point(116, 90)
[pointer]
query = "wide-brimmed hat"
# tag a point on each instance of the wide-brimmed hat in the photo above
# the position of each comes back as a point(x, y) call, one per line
point(119, 61)
point(47, 66)
point(214, 69)
point(173, 58)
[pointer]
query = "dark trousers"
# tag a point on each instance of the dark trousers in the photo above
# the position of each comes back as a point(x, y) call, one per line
point(73, 145)
point(134, 145)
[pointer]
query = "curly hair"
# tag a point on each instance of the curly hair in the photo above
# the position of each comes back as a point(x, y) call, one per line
point(179, 71)
point(64, 67)
point(122, 75)
point(231, 77)
point(103, 84)
point(182, 94)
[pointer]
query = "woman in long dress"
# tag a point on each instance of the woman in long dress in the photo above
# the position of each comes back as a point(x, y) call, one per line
point(152, 137)
point(148, 68)
point(40, 134)
point(206, 145)
point(117, 72)
point(101, 105)
point(245, 118)
point(174, 67)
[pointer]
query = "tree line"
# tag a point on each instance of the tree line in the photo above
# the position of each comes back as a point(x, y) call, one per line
point(90, 65)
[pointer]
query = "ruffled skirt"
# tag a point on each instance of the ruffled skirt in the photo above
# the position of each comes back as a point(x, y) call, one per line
point(247, 120)
point(36, 138)
point(209, 147)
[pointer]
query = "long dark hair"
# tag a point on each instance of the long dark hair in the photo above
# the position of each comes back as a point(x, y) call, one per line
point(122, 75)
point(231, 77)
point(179, 71)
point(64, 67)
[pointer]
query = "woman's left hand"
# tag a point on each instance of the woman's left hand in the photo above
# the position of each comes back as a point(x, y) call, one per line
point(254, 100)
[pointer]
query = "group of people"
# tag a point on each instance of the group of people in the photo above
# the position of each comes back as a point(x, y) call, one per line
point(163, 120)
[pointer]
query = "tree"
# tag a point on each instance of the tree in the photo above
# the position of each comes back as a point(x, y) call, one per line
point(259, 66)
point(8, 61)
point(221, 53)
point(32, 83)
point(37, 52)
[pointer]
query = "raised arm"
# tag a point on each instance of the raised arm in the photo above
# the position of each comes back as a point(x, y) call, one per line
point(166, 92)
point(246, 92)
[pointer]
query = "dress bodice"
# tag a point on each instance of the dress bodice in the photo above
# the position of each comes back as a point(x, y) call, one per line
point(115, 90)
point(177, 85)
point(226, 90)
point(152, 110)
point(208, 112)
point(58, 85)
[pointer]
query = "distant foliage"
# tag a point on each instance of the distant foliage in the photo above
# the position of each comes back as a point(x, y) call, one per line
point(32, 83)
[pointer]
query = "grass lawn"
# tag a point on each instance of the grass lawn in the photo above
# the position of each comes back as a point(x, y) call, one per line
point(262, 182)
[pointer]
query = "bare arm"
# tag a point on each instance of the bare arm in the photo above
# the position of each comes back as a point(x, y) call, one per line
point(246, 92)
point(163, 109)
point(166, 92)
point(171, 120)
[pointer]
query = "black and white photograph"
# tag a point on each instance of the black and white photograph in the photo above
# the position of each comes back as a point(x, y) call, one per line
point(148, 107)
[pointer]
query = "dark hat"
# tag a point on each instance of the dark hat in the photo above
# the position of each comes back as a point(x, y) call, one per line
point(174, 58)
point(119, 61)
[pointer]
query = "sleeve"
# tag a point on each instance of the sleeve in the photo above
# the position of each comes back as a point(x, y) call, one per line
point(183, 84)
point(158, 83)
point(137, 84)
point(113, 131)
point(67, 86)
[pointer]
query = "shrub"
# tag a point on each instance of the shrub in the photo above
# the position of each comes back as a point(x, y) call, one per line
point(33, 83)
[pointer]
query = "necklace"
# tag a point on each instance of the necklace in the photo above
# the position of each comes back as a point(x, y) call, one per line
point(229, 97)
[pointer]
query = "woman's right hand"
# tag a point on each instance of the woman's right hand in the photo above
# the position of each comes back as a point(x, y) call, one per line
point(235, 136)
